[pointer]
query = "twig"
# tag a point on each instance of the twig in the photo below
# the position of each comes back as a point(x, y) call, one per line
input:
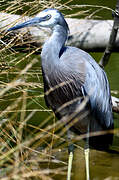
point(103, 62)
point(115, 102)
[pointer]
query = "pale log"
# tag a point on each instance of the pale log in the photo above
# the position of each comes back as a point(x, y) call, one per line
point(90, 35)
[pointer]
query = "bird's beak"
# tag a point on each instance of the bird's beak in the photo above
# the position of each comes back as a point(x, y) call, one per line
point(31, 22)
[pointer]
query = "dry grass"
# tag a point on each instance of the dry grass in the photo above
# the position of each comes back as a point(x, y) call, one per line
point(27, 127)
point(26, 130)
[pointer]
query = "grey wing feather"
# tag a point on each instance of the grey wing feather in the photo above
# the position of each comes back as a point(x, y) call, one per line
point(97, 87)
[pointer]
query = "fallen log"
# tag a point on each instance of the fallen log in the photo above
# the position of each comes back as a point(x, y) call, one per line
point(90, 35)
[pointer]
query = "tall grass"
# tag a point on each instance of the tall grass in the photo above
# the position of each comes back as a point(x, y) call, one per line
point(27, 127)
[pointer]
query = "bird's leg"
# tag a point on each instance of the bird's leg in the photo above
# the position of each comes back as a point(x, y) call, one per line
point(86, 152)
point(70, 151)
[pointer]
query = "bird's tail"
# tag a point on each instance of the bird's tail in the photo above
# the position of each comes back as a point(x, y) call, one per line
point(101, 142)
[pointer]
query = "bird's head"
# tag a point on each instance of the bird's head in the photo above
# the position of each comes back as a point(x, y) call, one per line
point(47, 18)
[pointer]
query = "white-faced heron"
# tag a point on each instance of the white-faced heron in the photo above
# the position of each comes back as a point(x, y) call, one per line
point(71, 76)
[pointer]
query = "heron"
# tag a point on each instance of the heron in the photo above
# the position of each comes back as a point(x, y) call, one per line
point(71, 76)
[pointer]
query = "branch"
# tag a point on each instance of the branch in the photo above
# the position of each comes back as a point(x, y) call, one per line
point(115, 102)
point(103, 62)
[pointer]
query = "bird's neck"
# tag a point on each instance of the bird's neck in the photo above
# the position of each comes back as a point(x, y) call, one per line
point(51, 49)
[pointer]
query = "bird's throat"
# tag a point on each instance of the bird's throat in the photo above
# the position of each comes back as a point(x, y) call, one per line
point(51, 49)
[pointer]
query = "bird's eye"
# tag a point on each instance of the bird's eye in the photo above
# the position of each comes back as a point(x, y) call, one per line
point(48, 16)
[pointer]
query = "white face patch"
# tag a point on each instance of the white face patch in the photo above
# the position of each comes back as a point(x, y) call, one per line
point(50, 22)
point(53, 13)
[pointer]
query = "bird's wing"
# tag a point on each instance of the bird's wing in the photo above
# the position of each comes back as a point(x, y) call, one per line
point(97, 87)
point(89, 78)
point(94, 83)
point(64, 82)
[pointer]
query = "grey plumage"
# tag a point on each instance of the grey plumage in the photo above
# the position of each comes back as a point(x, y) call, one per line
point(70, 74)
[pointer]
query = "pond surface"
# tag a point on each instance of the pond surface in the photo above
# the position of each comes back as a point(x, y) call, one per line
point(103, 165)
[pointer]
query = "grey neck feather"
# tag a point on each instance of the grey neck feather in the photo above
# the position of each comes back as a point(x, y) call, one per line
point(51, 49)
